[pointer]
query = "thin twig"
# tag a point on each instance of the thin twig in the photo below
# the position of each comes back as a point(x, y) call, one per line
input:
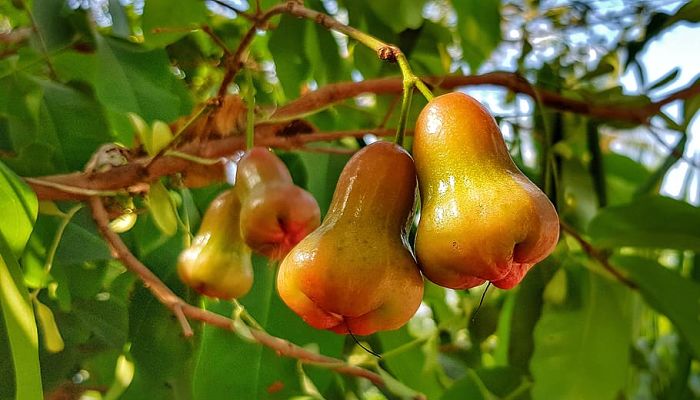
point(597, 255)
point(183, 310)
point(219, 42)
point(182, 319)
point(674, 152)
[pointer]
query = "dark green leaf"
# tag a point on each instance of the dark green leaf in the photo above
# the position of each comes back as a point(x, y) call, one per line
point(410, 365)
point(689, 12)
point(470, 387)
point(54, 28)
point(73, 123)
point(129, 79)
point(666, 79)
point(657, 222)
point(582, 346)
point(527, 309)
point(399, 15)
point(163, 23)
point(479, 26)
point(162, 357)
point(260, 373)
point(325, 169)
point(81, 242)
point(288, 50)
point(668, 293)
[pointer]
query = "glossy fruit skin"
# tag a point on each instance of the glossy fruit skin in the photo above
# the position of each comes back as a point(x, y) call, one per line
point(275, 213)
point(218, 263)
point(481, 218)
point(355, 272)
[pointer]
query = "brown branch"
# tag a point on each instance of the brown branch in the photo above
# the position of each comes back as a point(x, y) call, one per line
point(235, 61)
point(184, 310)
point(130, 177)
point(15, 36)
point(597, 255)
point(219, 42)
point(337, 92)
point(135, 172)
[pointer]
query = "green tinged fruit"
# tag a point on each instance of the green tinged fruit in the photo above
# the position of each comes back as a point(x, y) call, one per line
point(218, 263)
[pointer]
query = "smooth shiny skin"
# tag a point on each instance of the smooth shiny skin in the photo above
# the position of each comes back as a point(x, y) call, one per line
point(218, 263)
point(275, 213)
point(355, 273)
point(481, 218)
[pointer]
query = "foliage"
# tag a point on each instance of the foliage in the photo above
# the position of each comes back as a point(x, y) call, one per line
point(75, 75)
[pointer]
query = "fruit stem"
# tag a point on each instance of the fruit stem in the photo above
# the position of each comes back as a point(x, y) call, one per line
point(405, 107)
point(51, 254)
point(250, 115)
point(385, 51)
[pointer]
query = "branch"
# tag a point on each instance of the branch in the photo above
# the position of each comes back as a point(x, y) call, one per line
point(183, 310)
point(130, 177)
point(337, 92)
point(135, 172)
point(598, 256)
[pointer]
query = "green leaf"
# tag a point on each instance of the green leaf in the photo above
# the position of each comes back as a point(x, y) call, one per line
point(502, 381)
point(689, 12)
point(668, 293)
point(527, 309)
point(51, 335)
point(160, 137)
point(622, 177)
point(21, 326)
point(399, 15)
point(52, 23)
point(323, 55)
point(163, 23)
point(130, 79)
point(327, 169)
point(470, 387)
point(429, 55)
point(19, 208)
point(289, 52)
point(81, 242)
point(582, 347)
point(120, 21)
point(72, 122)
point(162, 209)
point(656, 222)
point(162, 358)
point(479, 26)
point(666, 79)
point(410, 365)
